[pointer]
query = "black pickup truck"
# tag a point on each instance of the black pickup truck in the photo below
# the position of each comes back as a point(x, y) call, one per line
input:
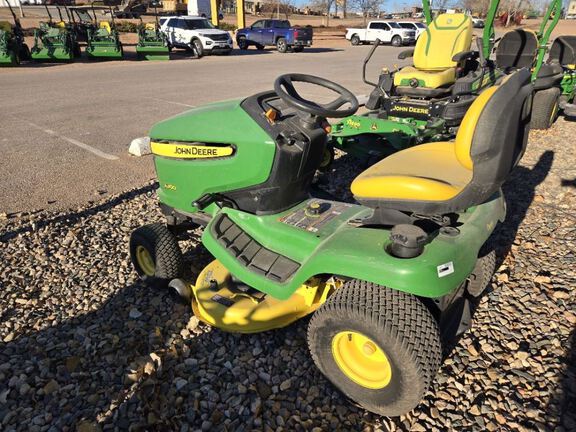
point(274, 32)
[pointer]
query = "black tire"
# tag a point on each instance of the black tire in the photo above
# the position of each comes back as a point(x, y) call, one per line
point(196, 45)
point(397, 323)
point(260, 47)
point(396, 41)
point(327, 159)
point(169, 46)
point(77, 50)
point(298, 49)
point(545, 108)
point(281, 45)
point(355, 40)
point(482, 274)
point(162, 248)
point(242, 43)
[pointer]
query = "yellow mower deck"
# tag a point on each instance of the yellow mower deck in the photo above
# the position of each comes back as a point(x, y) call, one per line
point(221, 302)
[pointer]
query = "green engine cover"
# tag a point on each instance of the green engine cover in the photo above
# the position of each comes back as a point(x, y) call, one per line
point(184, 178)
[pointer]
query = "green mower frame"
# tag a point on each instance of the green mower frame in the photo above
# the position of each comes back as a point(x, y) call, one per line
point(13, 49)
point(103, 39)
point(55, 41)
point(152, 43)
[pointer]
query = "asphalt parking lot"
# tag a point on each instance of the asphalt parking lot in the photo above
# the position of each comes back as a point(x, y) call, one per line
point(65, 132)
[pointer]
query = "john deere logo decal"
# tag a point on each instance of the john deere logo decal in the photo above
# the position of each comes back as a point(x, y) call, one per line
point(184, 151)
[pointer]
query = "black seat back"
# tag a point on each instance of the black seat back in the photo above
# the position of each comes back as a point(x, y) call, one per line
point(517, 49)
point(563, 50)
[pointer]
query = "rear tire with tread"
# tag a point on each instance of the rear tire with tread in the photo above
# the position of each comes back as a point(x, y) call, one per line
point(163, 248)
point(281, 45)
point(482, 274)
point(355, 40)
point(399, 324)
point(545, 108)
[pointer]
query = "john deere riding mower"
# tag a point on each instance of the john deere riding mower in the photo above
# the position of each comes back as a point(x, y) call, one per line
point(563, 52)
point(54, 41)
point(13, 49)
point(386, 280)
point(103, 40)
point(152, 43)
point(426, 101)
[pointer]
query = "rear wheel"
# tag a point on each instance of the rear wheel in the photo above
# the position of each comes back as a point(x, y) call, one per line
point(481, 276)
point(396, 41)
point(281, 45)
point(379, 346)
point(242, 43)
point(355, 40)
point(155, 254)
point(545, 108)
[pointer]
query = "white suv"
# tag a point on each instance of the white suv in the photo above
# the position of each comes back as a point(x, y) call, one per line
point(195, 33)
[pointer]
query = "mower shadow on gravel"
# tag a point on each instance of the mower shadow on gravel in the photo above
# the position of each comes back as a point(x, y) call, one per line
point(563, 401)
point(73, 217)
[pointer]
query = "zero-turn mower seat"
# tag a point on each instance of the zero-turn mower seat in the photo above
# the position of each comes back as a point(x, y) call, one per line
point(434, 69)
point(106, 26)
point(446, 177)
point(563, 51)
point(517, 49)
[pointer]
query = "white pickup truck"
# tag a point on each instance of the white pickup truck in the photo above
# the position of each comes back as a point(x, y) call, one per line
point(387, 31)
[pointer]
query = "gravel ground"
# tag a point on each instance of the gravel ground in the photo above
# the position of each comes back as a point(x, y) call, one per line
point(85, 346)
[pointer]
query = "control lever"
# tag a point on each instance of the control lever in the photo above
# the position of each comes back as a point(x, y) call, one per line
point(366, 60)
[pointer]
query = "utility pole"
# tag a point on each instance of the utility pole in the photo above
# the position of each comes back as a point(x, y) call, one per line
point(278, 9)
point(20, 7)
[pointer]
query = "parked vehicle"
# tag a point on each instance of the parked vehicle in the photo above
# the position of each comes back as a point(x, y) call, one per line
point(387, 31)
point(477, 22)
point(279, 33)
point(418, 27)
point(196, 33)
point(131, 9)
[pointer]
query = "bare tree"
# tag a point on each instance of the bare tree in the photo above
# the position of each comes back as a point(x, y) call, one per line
point(366, 7)
point(325, 6)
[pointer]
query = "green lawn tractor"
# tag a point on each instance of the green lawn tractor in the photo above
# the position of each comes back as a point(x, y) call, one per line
point(54, 41)
point(427, 101)
point(386, 281)
point(103, 39)
point(152, 43)
point(13, 49)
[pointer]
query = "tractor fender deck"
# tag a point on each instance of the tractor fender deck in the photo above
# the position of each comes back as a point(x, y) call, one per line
point(276, 254)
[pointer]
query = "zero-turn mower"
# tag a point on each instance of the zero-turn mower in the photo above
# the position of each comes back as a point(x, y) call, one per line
point(386, 280)
point(152, 43)
point(103, 39)
point(13, 49)
point(427, 101)
point(54, 41)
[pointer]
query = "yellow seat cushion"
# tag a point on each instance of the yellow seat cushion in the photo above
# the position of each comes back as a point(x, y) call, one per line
point(106, 26)
point(429, 79)
point(447, 35)
point(428, 172)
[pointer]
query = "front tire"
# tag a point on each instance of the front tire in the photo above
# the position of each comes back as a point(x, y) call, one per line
point(355, 40)
point(396, 41)
point(197, 46)
point(281, 45)
point(545, 108)
point(155, 254)
point(379, 346)
point(242, 43)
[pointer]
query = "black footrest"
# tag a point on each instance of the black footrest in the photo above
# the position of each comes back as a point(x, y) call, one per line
point(250, 253)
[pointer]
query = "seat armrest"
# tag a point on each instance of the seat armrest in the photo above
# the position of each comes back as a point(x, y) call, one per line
point(406, 54)
point(465, 55)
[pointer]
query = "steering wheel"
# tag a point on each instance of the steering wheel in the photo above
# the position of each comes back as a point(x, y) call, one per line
point(284, 88)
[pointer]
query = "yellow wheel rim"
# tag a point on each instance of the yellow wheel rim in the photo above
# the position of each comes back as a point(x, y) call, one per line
point(145, 261)
point(361, 360)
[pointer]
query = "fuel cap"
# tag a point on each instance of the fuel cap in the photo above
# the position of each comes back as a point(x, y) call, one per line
point(407, 241)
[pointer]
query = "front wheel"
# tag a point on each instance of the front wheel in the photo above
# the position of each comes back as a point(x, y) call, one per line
point(379, 346)
point(545, 108)
point(355, 40)
point(396, 41)
point(155, 254)
point(242, 43)
point(197, 47)
point(281, 45)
